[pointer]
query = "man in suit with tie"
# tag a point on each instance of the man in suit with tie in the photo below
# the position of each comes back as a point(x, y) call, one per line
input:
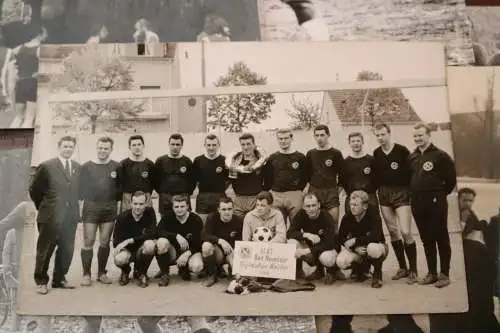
point(54, 191)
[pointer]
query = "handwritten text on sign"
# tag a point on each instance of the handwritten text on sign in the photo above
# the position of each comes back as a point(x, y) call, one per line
point(261, 259)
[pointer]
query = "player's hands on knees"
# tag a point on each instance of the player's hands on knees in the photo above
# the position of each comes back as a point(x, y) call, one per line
point(226, 247)
point(361, 250)
point(350, 243)
point(315, 239)
point(123, 244)
point(183, 258)
point(300, 252)
point(183, 243)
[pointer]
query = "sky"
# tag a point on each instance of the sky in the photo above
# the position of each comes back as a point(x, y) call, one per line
point(316, 62)
point(462, 95)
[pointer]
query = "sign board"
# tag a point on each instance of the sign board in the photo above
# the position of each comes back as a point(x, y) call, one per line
point(267, 260)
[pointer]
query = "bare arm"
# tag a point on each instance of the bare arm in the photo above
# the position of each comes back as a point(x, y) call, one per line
point(280, 236)
point(246, 234)
point(5, 67)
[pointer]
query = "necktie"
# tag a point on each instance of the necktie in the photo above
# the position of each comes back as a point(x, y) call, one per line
point(67, 171)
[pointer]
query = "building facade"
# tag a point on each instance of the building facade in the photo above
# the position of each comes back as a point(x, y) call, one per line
point(163, 66)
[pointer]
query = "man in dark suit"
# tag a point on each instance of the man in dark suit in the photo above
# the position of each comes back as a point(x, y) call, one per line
point(54, 191)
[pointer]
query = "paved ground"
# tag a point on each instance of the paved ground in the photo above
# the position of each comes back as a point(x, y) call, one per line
point(190, 298)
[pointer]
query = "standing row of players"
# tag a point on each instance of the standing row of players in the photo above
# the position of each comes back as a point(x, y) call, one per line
point(425, 176)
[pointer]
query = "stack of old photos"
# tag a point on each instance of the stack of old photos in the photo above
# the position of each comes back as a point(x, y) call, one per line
point(340, 177)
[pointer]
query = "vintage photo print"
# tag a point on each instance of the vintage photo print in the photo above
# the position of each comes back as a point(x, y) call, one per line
point(96, 324)
point(394, 20)
point(475, 132)
point(485, 35)
point(129, 21)
point(244, 185)
point(18, 81)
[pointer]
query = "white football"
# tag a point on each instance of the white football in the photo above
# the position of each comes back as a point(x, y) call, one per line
point(262, 234)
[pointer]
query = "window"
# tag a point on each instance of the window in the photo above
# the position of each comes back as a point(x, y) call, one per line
point(141, 49)
point(150, 87)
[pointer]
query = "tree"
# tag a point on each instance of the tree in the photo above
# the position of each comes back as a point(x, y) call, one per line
point(489, 125)
point(89, 70)
point(305, 114)
point(235, 112)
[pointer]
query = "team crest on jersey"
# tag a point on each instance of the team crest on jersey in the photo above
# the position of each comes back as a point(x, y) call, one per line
point(321, 232)
point(189, 236)
point(232, 234)
point(394, 165)
point(145, 174)
point(113, 174)
point(218, 169)
point(328, 162)
point(367, 170)
point(428, 166)
point(183, 169)
point(295, 165)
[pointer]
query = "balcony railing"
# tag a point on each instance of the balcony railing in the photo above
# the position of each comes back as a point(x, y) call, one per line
point(160, 50)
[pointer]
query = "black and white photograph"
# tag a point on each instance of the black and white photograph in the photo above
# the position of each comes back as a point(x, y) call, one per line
point(475, 131)
point(485, 34)
point(15, 209)
point(358, 20)
point(97, 324)
point(129, 21)
point(18, 81)
point(151, 189)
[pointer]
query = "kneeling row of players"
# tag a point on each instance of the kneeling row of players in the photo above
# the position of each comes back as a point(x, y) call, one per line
point(182, 239)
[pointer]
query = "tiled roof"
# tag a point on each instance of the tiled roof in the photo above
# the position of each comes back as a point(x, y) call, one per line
point(391, 105)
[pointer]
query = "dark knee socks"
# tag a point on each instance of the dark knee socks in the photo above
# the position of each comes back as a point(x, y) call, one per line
point(163, 262)
point(102, 259)
point(210, 263)
point(411, 253)
point(87, 255)
point(142, 263)
point(399, 251)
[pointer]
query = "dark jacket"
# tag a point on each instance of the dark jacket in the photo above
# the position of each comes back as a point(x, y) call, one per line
point(432, 171)
point(54, 194)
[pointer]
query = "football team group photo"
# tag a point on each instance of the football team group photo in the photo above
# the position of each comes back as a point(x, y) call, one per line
point(142, 215)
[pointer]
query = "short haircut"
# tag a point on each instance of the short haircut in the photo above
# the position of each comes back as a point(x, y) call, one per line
point(466, 190)
point(225, 200)
point(322, 127)
point(354, 135)
point(420, 125)
point(212, 137)
point(285, 131)
point(380, 126)
point(361, 195)
point(265, 195)
point(106, 139)
point(176, 136)
point(66, 138)
point(135, 137)
point(310, 196)
point(138, 194)
point(247, 136)
point(180, 198)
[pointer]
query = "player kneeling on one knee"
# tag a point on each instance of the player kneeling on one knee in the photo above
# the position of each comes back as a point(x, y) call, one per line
point(221, 231)
point(179, 241)
point(134, 239)
point(313, 231)
point(361, 241)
